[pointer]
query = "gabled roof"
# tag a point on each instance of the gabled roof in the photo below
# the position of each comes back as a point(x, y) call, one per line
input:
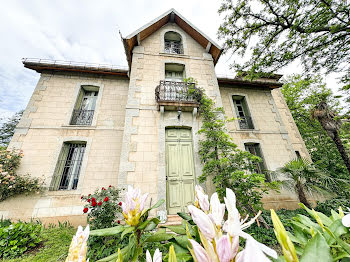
point(173, 16)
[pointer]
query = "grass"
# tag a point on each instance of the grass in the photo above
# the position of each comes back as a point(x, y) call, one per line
point(55, 245)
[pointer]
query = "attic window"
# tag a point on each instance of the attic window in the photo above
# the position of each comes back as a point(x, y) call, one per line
point(173, 43)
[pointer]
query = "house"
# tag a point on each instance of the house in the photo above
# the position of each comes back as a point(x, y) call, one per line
point(89, 126)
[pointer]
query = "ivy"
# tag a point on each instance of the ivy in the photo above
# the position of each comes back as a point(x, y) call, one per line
point(225, 164)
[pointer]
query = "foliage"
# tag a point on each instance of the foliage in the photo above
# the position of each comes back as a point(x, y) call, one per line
point(302, 176)
point(266, 235)
point(137, 226)
point(303, 94)
point(55, 245)
point(272, 34)
point(102, 207)
point(7, 129)
point(12, 184)
point(224, 163)
point(103, 210)
point(326, 206)
point(17, 238)
point(324, 238)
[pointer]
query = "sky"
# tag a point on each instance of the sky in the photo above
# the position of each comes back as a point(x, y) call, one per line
point(85, 31)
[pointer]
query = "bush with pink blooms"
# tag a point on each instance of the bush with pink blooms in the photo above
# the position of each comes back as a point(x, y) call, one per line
point(12, 184)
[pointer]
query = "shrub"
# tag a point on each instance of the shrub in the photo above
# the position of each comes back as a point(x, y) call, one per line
point(12, 184)
point(267, 235)
point(326, 206)
point(103, 209)
point(17, 238)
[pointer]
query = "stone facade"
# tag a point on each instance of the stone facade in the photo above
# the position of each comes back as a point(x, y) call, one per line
point(125, 143)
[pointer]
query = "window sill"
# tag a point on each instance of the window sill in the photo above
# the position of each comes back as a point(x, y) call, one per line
point(173, 55)
point(64, 192)
point(79, 126)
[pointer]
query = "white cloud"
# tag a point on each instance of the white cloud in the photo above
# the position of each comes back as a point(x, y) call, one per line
point(81, 30)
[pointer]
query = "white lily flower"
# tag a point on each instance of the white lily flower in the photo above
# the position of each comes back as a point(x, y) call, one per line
point(78, 247)
point(254, 252)
point(203, 222)
point(199, 252)
point(217, 210)
point(202, 198)
point(134, 205)
point(346, 220)
point(157, 256)
point(227, 250)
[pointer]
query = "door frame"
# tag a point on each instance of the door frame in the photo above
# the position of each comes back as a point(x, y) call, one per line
point(181, 176)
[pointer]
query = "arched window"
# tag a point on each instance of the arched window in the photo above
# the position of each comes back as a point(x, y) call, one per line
point(173, 43)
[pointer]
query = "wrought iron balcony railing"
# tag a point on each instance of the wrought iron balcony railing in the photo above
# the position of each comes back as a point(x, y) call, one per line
point(179, 92)
point(82, 117)
point(245, 122)
point(171, 47)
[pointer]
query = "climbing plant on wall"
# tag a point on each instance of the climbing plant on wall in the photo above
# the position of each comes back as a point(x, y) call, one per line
point(225, 164)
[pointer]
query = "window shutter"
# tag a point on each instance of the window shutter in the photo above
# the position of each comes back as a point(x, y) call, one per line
point(56, 179)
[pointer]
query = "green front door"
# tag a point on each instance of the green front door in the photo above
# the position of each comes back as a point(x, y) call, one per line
point(180, 169)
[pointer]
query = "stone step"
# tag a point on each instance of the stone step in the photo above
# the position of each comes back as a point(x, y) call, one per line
point(173, 220)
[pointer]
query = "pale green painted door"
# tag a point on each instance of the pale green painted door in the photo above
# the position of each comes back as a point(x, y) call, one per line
point(180, 169)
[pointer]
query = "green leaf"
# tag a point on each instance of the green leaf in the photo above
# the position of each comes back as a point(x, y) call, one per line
point(172, 255)
point(185, 216)
point(152, 225)
point(342, 243)
point(317, 249)
point(182, 240)
point(176, 229)
point(325, 220)
point(157, 237)
point(107, 231)
point(338, 228)
point(112, 257)
point(126, 231)
point(158, 204)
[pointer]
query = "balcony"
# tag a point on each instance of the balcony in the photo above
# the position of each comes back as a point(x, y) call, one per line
point(171, 47)
point(177, 94)
point(245, 122)
point(82, 117)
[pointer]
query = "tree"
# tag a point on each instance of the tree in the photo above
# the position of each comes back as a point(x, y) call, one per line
point(225, 164)
point(302, 96)
point(315, 33)
point(331, 124)
point(302, 176)
point(7, 129)
point(272, 34)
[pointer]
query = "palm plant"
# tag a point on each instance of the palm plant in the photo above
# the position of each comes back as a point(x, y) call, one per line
point(301, 176)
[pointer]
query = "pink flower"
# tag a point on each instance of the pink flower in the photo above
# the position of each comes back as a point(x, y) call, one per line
point(203, 222)
point(202, 198)
point(225, 249)
point(217, 210)
point(199, 252)
point(254, 252)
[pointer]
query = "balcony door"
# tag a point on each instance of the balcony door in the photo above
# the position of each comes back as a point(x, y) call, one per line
point(179, 170)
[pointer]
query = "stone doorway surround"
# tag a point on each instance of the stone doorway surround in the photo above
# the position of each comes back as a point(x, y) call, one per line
point(171, 119)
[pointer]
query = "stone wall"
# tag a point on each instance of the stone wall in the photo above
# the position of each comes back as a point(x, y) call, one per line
point(274, 129)
point(143, 153)
point(45, 126)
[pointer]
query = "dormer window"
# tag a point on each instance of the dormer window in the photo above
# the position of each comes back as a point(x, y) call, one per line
point(173, 43)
